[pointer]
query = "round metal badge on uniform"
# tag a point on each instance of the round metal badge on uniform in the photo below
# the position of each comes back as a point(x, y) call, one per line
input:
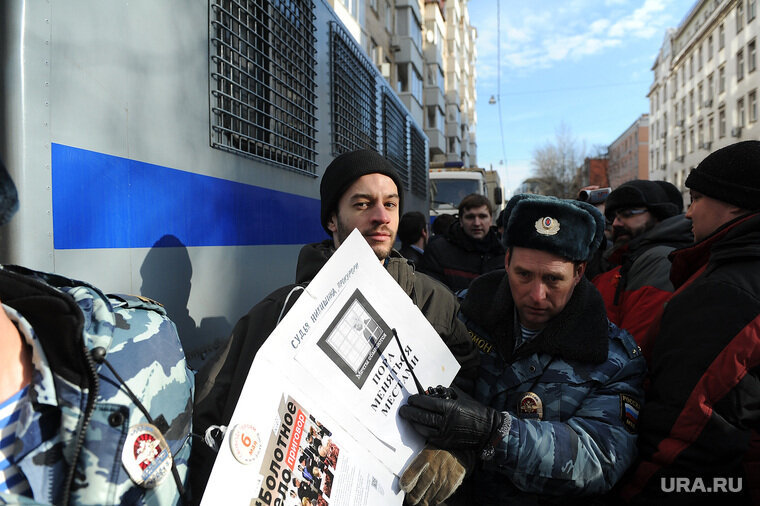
point(547, 226)
point(245, 443)
point(530, 407)
point(146, 455)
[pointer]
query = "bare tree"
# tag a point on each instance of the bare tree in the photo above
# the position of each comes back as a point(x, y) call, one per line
point(556, 166)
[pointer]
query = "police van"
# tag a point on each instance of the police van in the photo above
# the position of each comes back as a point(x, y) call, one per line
point(173, 148)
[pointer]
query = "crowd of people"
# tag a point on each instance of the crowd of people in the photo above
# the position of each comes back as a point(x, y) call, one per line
point(608, 353)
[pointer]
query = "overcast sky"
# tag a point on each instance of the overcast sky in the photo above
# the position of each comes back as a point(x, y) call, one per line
point(586, 63)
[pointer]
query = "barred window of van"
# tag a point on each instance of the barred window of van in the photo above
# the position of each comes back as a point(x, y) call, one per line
point(263, 80)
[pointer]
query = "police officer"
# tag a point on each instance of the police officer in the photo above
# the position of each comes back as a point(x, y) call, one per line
point(559, 387)
point(95, 396)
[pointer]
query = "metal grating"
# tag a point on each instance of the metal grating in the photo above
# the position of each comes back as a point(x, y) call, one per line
point(419, 169)
point(353, 93)
point(263, 86)
point(394, 136)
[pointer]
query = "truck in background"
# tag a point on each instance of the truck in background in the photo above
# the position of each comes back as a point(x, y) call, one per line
point(450, 183)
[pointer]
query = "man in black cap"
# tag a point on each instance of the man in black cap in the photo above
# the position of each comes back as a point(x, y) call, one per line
point(699, 427)
point(647, 224)
point(559, 387)
point(361, 190)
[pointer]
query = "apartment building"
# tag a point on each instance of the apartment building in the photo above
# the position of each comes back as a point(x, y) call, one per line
point(705, 90)
point(426, 50)
point(628, 154)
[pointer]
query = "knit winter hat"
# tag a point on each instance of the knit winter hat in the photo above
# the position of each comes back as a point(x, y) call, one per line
point(569, 228)
point(8, 196)
point(642, 193)
point(347, 168)
point(730, 174)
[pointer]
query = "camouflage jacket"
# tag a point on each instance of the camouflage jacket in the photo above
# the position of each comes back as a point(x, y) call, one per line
point(80, 412)
point(573, 393)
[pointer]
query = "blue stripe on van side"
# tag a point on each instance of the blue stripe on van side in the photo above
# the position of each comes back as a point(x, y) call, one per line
point(104, 201)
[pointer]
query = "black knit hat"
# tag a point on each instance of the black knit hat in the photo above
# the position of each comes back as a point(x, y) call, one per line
point(347, 168)
point(731, 175)
point(569, 228)
point(8, 196)
point(642, 193)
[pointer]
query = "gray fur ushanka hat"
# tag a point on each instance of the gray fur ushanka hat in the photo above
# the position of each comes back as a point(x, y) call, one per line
point(569, 228)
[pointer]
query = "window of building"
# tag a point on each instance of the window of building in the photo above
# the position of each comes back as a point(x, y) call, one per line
point(683, 143)
point(683, 109)
point(691, 103)
point(700, 90)
point(388, 17)
point(683, 75)
point(710, 88)
point(739, 16)
point(721, 122)
point(752, 55)
point(722, 79)
point(740, 65)
point(752, 99)
point(699, 57)
point(691, 140)
point(709, 47)
point(675, 147)
point(691, 66)
point(751, 9)
point(721, 36)
point(373, 4)
point(710, 128)
point(701, 133)
point(350, 6)
point(740, 113)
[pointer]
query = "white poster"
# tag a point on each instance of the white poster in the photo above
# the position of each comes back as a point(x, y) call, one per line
point(323, 393)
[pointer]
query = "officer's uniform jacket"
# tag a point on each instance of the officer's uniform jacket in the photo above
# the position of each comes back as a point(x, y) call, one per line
point(78, 411)
point(573, 393)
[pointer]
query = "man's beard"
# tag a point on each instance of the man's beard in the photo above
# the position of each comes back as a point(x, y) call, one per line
point(380, 251)
point(631, 233)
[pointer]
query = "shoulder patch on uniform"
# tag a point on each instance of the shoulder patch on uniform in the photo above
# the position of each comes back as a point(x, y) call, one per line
point(480, 343)
point(629, 412)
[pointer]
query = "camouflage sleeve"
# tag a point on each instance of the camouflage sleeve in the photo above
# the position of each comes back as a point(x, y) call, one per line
point(588, 452)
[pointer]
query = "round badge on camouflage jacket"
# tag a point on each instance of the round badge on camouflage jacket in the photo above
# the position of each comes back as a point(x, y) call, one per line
point(530, 407)
point(146, 455)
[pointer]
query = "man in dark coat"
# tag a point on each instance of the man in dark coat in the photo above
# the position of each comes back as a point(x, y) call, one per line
point(413, 234)
point(362, 190)
point(470, 248)
point(647, 224)
point(698, 433)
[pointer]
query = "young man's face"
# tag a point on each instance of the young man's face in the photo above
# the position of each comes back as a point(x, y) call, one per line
point(708, 214)
point(370, 204)
point(541, 284)
point(476, 222)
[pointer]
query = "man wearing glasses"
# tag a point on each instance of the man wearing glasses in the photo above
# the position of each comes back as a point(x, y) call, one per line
point(559, 386)
point(647, 224)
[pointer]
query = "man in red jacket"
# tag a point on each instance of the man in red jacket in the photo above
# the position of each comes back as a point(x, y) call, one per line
point(698, 430)
point(647, 224)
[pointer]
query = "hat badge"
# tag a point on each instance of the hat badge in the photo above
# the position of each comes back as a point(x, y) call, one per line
point(547, 226)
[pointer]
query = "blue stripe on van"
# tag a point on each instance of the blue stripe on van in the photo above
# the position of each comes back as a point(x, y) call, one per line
point(104, 201)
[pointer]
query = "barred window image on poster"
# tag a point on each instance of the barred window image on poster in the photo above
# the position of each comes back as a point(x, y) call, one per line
point(356, 339)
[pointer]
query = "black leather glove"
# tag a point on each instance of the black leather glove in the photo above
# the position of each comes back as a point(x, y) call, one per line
point(451, 421)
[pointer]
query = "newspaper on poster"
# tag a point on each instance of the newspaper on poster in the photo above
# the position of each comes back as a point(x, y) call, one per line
point(346, 353)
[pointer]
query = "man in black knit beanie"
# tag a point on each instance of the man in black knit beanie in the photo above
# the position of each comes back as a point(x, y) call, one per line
point(701, 418)
point(359, 189)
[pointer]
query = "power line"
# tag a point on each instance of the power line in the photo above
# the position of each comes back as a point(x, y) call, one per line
point(498, 83)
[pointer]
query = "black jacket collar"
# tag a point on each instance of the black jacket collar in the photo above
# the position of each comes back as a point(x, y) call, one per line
point(579, 332)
